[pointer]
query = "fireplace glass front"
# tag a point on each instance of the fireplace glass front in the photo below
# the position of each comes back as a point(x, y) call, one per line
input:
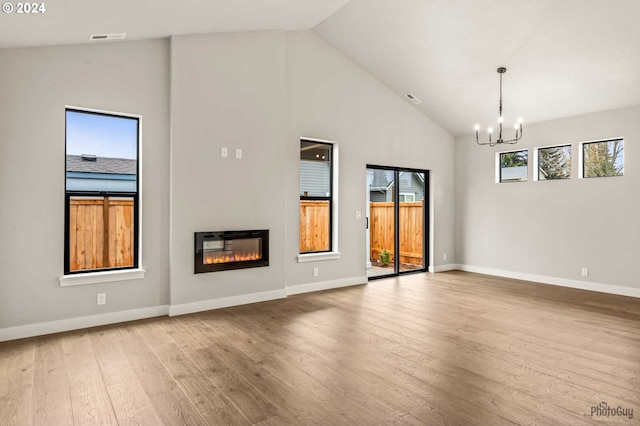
point(224, 250)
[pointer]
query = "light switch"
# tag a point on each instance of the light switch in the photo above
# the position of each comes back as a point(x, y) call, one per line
point(238, 153)
point(223, 152)
point(358, 214)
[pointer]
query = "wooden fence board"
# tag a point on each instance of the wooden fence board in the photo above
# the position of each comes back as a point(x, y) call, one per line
point(95, 244)
point(314, 229)
point(381, 229)
point(314, 226)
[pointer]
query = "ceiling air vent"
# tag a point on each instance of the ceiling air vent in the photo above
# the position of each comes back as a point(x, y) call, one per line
point(107, 36)
point(412, 98)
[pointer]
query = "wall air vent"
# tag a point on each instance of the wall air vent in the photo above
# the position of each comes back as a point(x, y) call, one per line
point(412, 98)
point(89, 157)
point(107, 36)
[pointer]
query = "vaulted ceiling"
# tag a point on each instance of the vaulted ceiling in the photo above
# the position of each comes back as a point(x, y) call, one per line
point(564, 58)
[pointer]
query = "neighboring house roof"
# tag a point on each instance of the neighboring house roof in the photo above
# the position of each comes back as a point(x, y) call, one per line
point(123, 166)
point(387, 186)
point(514, 173)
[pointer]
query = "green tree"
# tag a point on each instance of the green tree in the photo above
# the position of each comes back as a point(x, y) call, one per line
point(513, 159)
point(603, 158)
point(554, 163)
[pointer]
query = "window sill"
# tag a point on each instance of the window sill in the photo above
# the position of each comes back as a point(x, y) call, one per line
point(312, 257)
point(102, 277)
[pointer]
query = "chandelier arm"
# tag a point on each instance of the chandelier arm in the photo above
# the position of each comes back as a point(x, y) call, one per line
point(500, 140)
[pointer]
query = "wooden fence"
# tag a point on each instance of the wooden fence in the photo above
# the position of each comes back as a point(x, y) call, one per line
point(100, 233)
point(381, 231)
point(314, 229)
point(314, 226)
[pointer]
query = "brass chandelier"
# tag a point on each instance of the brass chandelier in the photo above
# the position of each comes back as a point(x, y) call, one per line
point(500, 140)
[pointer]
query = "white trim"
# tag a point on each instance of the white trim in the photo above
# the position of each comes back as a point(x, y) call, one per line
point(325, 285)
point(313, 257)
point(443, 268)
point(562, 282)
point(102, 277)
point(225, 302)
point(317, 140)
point(38, 329)
point(413, 195)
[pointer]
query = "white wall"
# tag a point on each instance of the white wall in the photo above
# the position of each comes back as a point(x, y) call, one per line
point(226, 90)
point(36, 85)
point(256, 91)
point(553, 228)
point(330, 97)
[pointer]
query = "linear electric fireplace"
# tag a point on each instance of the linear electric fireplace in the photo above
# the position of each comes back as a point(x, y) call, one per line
point(224, 250)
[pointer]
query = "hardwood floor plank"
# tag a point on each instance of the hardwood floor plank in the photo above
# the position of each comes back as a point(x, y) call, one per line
point(16, 382)
point(169, 401)
point(51, 398)
point(131, 404)
point(451, 348)
point(89, 398)
point(212, 404)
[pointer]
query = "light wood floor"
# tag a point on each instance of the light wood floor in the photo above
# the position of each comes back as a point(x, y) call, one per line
point(450, 348)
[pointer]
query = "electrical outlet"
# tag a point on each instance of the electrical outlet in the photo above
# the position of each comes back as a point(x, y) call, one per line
point(223, 152)
point(315, 272)
point(238, 153)
point(102, 298)
point(444, 256)
point(585, 272)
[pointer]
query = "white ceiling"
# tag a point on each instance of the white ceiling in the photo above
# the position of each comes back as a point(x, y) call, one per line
point(73, 21)
point(564, 57)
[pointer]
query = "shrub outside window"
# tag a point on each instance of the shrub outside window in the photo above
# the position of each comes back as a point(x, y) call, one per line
point(514, 166)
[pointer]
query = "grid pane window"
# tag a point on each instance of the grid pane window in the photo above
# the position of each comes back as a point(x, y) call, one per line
point(604, 158)
point(514, 166)
point(554, 163)
point(316, 200)
point(101, 191)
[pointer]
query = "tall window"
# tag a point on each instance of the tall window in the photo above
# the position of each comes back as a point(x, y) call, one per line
point(316, 196)
point(101, 194)
point(603, 158)
point(554, 162)
point(513, 166)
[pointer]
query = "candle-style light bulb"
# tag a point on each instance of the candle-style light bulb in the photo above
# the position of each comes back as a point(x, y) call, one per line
point(490, 130)
point(516, 126)
point(476, 127)
point(520, 120)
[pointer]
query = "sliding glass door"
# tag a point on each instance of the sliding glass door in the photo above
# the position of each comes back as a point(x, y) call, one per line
point(396, 217)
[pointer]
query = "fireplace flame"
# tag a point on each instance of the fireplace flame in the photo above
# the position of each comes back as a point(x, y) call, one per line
point(237, 257)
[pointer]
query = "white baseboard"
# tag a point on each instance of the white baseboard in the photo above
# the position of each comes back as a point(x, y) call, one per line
point(443, 268)
point(225, 302)
point(30, 330)
point(562, 282)
point(325, 285)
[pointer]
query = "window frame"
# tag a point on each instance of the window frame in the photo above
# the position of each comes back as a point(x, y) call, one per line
point(333, 252)
point(89, 276)
point(499, 166)
point(536, 161)
point(581, 157)
point(405, 194)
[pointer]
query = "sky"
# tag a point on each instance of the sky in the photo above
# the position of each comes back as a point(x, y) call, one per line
point(101, 135)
